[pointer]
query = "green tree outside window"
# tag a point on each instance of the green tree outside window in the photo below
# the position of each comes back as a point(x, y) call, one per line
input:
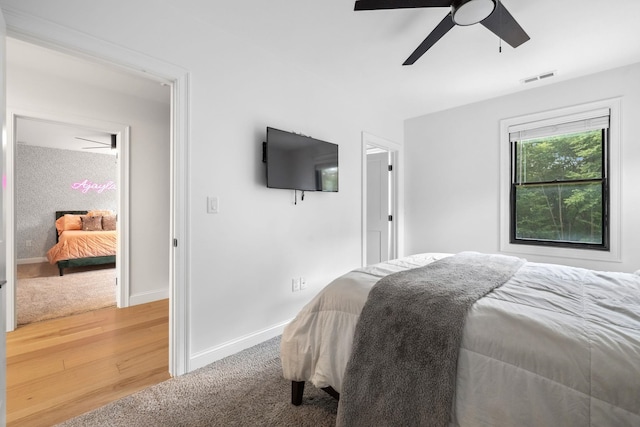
point(559, 190)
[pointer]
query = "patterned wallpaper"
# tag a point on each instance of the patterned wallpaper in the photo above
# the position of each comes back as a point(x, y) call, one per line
point(48, 180)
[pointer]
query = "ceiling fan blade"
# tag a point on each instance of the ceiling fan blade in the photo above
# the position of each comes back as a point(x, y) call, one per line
point(441, 29)
point(503, 25)
point(91, 140)
point(399, 4)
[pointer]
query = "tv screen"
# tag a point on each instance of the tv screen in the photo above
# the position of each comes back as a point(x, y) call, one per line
point(299, 162)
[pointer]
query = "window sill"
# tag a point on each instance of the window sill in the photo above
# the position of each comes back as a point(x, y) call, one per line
point(612, 255)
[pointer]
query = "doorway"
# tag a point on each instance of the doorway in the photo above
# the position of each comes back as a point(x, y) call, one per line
point(62, 39)
point(381, 213)
point(175, 83)
point(61, 165)
point(46, 119)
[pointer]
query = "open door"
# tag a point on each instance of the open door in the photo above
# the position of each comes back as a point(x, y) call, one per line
point(378, 209)
point(3, 240)
point(381, 199)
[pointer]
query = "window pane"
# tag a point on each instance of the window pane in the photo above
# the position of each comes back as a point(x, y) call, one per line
point(559, 212)
point(563, 157)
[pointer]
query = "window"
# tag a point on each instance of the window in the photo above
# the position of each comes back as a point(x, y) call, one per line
point(560, 183)
point(559, 186)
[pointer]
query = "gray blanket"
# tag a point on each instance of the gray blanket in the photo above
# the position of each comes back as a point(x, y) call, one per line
point(402, 370)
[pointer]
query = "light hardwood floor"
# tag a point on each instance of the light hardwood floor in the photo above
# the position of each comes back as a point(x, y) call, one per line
point(61, 368)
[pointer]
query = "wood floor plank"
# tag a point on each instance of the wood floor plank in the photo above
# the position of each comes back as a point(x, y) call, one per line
point(44, 335)
point(61, 368)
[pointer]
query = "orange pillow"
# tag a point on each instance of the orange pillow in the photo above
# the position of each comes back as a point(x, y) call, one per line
point(99, 213)
point(69, 222)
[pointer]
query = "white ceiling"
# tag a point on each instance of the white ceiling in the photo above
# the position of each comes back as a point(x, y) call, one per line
point(62, 136)
point(23, 55)
point(26, 56)
point(363, 51)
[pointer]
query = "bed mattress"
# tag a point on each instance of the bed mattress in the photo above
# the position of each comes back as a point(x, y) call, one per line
point(555, 345)
point(73, 244)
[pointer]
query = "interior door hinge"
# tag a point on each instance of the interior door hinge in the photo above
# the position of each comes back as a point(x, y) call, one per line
point(175, 243)
point(390, 217)
point(390, 168)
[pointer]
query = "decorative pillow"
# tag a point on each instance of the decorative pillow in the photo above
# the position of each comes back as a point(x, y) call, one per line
point(99, 213)
point(109, 222)
point(69, 222)
point(92, 223)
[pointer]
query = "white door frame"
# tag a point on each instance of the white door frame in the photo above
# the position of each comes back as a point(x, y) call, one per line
point(122, 171)
point(3, 227)
point(396, 203)
point(51, 35)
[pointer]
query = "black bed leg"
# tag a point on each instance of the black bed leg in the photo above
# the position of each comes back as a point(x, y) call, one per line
point(297, 390)
point(332, 392)
point(60, 268)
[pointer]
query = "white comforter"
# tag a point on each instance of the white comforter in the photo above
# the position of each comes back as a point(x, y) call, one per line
point(554, 346)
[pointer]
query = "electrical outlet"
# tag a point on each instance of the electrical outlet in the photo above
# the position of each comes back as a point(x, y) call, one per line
point(295, 285)
point(303, 283)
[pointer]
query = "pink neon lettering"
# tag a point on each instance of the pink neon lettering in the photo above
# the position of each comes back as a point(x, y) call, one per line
point(86, 186)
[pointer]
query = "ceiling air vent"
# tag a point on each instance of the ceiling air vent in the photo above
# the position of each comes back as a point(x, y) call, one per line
point(539, 77)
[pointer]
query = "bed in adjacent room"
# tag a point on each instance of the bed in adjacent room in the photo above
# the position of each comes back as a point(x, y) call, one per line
point(537, 344)
point(83, 238)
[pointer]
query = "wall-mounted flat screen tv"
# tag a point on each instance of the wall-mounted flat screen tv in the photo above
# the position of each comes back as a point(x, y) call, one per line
point(299, 162)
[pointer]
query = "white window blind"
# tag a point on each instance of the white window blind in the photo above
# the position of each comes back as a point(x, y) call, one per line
point(583, 122)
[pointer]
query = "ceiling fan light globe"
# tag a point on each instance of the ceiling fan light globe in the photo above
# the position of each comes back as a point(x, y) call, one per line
point(469, 12)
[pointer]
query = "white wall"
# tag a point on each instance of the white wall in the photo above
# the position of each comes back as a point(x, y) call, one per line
point(453, 167)
point(39, 93)
point(43, 182)
point(242, 259)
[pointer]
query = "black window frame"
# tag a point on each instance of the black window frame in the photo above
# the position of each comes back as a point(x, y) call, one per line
point(604, 180)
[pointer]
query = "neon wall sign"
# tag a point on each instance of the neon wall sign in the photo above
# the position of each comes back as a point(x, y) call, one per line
point(87, 186)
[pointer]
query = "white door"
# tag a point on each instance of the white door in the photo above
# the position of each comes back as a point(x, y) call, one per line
point(378, 214)
point(3, 240)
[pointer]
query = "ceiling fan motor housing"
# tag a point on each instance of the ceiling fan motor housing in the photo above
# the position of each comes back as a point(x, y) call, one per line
point(469, 12)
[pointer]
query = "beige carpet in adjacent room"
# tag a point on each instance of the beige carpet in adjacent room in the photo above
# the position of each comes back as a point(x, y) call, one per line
point(43, 298)
point(244, 390)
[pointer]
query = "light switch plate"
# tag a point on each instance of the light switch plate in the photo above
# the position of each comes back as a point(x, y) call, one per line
point(213, 205)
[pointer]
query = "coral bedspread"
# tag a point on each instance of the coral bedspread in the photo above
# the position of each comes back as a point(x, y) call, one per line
point(74, 244)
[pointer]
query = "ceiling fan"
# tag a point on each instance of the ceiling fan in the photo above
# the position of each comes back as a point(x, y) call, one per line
point(111, 145)
point(490, 13)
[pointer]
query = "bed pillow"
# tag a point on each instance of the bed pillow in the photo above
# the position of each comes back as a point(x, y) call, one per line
point(109, 222)
point(69, 222)
point(99, 213)
point(92, 223)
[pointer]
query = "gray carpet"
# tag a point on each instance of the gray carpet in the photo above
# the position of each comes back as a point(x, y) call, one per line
point(246, 389)
point(44, 298)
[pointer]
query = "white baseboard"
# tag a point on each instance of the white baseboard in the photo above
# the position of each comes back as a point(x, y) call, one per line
point(211, 355)
point(31, 260)
point(148, 297)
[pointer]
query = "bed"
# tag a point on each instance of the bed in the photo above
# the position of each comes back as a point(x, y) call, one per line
point(552, 345)
point(83, 238)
